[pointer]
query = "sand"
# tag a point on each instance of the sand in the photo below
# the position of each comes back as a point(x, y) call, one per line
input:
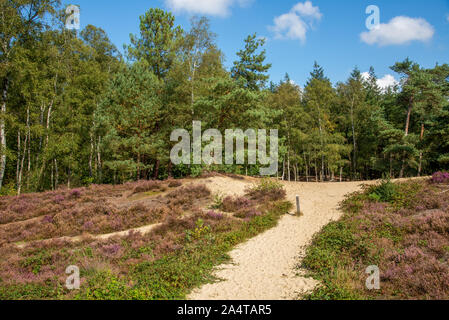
point(265, 267)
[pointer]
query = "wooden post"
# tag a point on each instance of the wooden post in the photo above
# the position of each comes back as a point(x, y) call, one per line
point(298, 206)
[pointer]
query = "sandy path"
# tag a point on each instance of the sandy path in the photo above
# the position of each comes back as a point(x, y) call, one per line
point(264, 267)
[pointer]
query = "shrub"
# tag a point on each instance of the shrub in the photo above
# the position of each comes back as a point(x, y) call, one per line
point(440, 177)
point(385, 192)
point(217, 201)
point(146, 186)
point(215, 216)
point(174, 184)
point(267, 189)
point(59, 198)
point(234, 204)
point(75, 193)
point(186, 196)
point(247, 213)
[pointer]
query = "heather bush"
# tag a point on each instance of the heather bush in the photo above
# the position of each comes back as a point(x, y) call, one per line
point(267, 189)
point(186, 197)
point(440, 177)
point(407, 237)
point(59, 198)
point(98, 218)
point(75, 193)
point(234, 204)
point(247, 213)
point(146, 186)
point(214, 215)
point(166, 263)
point(174, 183)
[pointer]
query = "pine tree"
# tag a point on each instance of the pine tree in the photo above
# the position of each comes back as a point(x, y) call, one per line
point(251, 67)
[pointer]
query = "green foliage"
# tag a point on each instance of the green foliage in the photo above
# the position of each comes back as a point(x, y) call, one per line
point(333, 292)
point(157, 41)
point(196, 171)
point(250, 67)
point(268, 185)
point(35, 263)
point(387, 191)
point(325, 253)
point(217, 201)
point(267, 189)
point(77, 113)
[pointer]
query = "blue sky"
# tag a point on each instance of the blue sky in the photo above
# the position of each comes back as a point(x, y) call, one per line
point(300, 32)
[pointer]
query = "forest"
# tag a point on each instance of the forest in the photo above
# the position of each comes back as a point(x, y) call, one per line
point(75, 111)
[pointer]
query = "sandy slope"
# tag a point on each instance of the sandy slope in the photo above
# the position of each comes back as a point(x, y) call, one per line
point(264, 267)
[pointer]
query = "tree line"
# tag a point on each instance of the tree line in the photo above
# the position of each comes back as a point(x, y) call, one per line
point(74, 111)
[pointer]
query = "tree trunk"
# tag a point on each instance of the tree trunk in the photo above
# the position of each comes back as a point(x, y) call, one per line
point(193, 91)
point(421, 153)
point(29, 149)
point(3, 132)
point(18, 158)
point(354, 159)
point(391, 167)
point(156, 170)
point(407, 128)
point(44, 165)
point(99, 161)
point(138, 166)
point(41, 122)
point(52, 177)
point(409, 115)
point(170, 169)
point(56, 175)
point(91, 154)
point(322, 173)
point(50, 108)
point(22, 163)
point(69, 176)
point(283, 170)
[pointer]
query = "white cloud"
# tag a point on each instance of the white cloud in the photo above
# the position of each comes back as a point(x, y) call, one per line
point(447, 17)
point(400, 30)
point(307, 9)
point(387, 81)
point(290, 26)
point(294, 24)
point(221, 8)
point(383, 83)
